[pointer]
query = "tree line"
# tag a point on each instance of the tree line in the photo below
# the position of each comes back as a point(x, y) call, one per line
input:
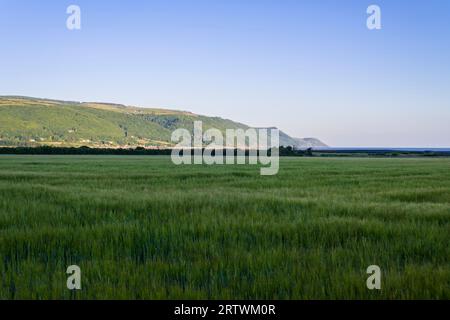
point(48, 150)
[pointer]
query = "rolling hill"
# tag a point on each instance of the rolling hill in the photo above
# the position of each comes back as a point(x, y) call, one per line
point(28, 121)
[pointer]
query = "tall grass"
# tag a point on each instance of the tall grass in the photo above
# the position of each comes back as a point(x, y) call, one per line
point(141, 227)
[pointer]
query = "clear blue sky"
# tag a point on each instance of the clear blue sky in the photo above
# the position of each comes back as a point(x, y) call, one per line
point(311, 68)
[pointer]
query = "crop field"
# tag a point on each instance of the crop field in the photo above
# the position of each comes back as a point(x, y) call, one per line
point(143, 228)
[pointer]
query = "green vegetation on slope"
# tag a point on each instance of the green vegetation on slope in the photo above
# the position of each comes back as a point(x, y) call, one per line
point(34, 122)
point(141, 227)
point(28, 122)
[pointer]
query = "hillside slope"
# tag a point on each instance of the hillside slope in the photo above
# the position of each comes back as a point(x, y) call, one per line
point(31, 122)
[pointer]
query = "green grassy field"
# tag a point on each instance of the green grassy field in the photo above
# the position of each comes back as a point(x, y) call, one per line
point(141, 227)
